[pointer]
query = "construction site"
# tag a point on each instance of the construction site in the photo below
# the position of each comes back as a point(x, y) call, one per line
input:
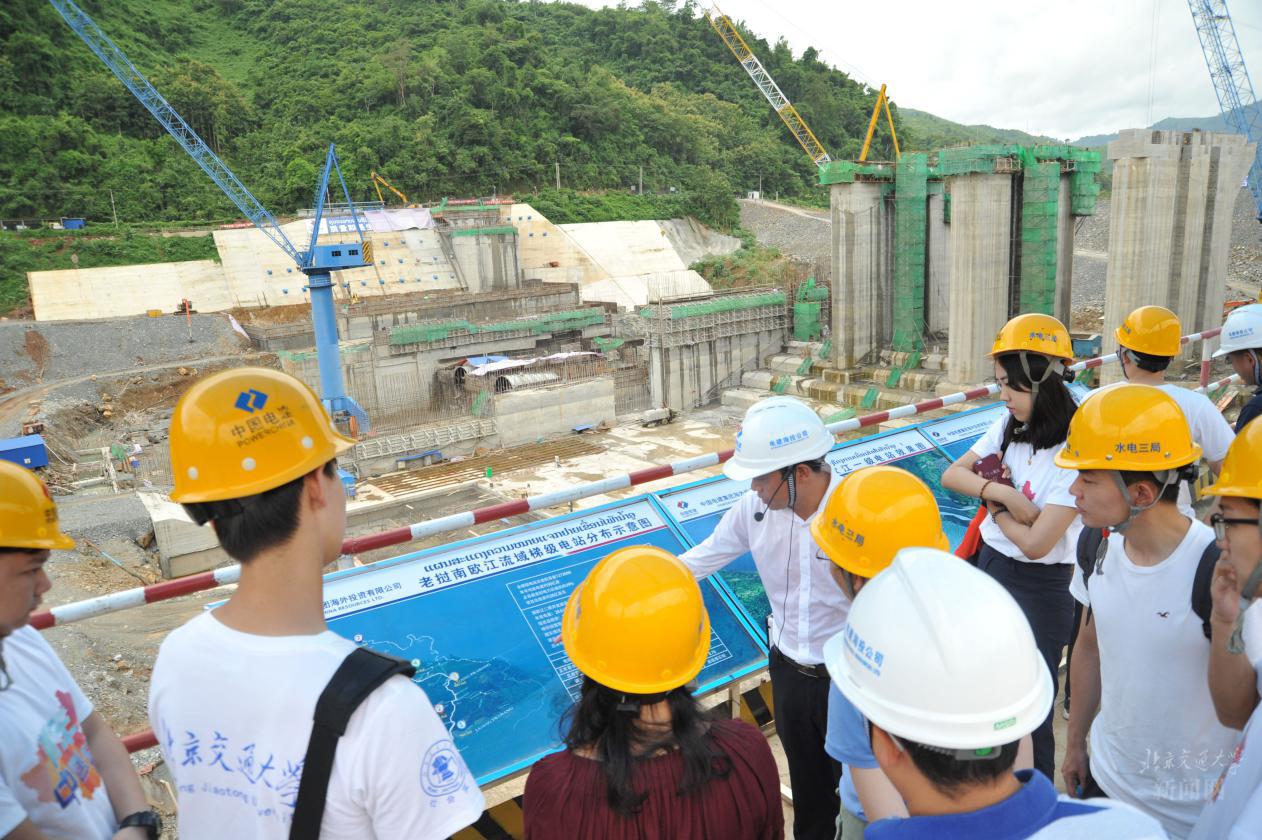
point(499, 371)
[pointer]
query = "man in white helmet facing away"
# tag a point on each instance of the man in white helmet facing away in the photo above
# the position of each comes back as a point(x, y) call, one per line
point(941, 661)
point(780, 450)
point(1241, 343)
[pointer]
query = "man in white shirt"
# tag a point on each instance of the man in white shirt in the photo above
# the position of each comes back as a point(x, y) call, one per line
point(1149, 339)
point(63, 773)
point(780, 449)
point(1234, 810)
point(234, 691)
point(1142, 655)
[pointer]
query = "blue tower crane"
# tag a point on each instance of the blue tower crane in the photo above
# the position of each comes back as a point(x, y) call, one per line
point(1231, 80)
point(317, 261)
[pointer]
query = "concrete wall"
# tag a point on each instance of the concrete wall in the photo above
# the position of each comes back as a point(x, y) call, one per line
point(1170, 230)
point(115, 291)
point(862, 227)
point(684, 377)
point(526, 416)
point(1064, 254)
point(981, 234)
point(488, 261)
point(938, 268)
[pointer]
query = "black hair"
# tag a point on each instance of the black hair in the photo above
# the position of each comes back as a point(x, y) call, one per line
point(607, 722)
point(814, 465)
point(948, 774)
point(31, 551)
point(250, 525)
point(1149, 362)
point(1169, 492)
point(1053, 407)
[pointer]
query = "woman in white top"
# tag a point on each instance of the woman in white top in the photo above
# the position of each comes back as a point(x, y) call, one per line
point(1029, 538)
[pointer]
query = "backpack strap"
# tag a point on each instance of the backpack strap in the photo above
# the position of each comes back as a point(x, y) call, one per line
point(361, 673)
point(1090, 544)
point(1202, 603)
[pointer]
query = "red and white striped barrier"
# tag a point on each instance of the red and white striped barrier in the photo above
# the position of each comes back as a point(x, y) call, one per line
point(419, 530)
point(1214, 386)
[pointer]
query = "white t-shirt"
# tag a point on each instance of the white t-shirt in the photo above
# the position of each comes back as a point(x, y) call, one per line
point(1234, 810)
point(1036, 475)
point(232, 712)
point(46, 770)
point(1209, 428)
point(1156, 740)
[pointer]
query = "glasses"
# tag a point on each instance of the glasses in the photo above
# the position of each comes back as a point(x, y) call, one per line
point(1220, 523)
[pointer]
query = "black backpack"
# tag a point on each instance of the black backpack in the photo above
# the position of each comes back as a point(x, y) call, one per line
point(359, 675)
point(1092, 543)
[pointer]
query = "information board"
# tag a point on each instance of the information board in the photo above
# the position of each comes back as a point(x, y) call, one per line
point(954, 435)
point(481, 621)
point(698, 507)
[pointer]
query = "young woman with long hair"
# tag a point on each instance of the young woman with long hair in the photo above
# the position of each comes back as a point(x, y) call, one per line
point(642, 760)
point(1029, 537)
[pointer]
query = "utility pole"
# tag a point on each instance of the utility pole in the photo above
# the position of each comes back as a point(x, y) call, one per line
point(760, 185)
point(558, 169)
point(113, 208)
point(641, 190)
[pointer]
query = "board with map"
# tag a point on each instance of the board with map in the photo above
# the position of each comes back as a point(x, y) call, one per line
point(698, 507)
point(481, 620)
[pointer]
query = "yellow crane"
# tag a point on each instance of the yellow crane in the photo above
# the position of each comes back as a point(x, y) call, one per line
point(723, 25)
point(882, 103)
point(378, 182)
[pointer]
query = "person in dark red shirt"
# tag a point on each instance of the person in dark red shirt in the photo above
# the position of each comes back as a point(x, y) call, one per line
point(642, 760)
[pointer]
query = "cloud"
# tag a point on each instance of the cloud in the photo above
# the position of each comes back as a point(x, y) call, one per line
point(1064, 69)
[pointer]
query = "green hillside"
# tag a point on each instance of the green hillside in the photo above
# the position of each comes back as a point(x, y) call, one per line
point(444, 97)
point(927, 132)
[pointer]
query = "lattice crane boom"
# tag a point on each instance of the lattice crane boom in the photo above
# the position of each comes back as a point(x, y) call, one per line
point(797, 126)
point(1230, 77)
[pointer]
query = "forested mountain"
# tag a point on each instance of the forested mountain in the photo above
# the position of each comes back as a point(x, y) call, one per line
point(443, 97)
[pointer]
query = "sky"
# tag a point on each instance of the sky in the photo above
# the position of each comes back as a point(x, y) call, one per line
point(1062, 68)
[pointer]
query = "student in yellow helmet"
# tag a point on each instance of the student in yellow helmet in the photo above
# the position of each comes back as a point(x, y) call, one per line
point(234, 691)
point(1143, 650)
point(642, 761)
point(871, 514)
point(1028, 538)
point(63, 772)
point(1235, 667)
point(1148, 340)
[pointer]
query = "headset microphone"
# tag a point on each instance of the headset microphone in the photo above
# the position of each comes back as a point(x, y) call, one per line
point(758, 516)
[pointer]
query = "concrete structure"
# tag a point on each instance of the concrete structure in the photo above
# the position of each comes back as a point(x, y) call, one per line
point(955, 242)
point(538, 413)
point(981, 210)
point(862, 266)
point(1170, 229)
point(697, 349)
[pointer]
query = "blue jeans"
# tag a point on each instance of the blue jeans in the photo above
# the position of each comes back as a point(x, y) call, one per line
point(1042, 590)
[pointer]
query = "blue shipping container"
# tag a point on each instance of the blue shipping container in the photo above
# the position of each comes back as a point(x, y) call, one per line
point(28, 451)
point(73, 224)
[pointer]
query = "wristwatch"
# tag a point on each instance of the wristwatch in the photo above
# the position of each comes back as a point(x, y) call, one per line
point(148, 820)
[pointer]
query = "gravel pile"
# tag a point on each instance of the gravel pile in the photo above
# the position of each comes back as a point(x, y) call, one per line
point(794, 235)
point(35, 351)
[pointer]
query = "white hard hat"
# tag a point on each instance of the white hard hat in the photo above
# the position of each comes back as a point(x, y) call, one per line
point(777, 433)
point(1241, 331)
point(939, 653)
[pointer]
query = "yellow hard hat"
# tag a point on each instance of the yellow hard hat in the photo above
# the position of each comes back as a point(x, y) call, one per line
point(245, 431)
point(28, 515)
point(1128, 427)
point(1242, 468)
point(874, 512)
point(637, 623)
point(1034, 333)
point(1154, 330)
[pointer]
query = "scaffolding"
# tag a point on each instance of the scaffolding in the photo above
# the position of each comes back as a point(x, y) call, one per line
point(458, 331)
point(1040, 199)
point(722, 316)
point(911, 183)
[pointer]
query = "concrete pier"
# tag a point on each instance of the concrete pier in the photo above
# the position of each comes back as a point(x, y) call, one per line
point(1173, 197)
point(981, 252)
point(862, 265)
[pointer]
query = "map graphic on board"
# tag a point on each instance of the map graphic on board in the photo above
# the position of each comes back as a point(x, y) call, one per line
point(697, 508)
point(479, 621)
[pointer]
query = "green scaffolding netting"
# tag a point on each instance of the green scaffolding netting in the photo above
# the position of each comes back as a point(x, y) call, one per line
point(724, 304)
point(1040, 194)
point(806, 325)
point(911, 186)
point(547, 322)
